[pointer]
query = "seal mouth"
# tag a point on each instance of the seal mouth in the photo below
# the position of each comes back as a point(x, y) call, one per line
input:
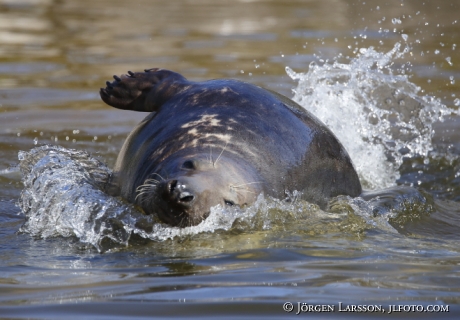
point(181, 218)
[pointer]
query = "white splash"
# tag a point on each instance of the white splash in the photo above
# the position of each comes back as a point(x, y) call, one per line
point(63, 196)
point(379, 116)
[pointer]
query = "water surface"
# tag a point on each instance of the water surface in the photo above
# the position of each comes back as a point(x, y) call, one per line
point(385, 78)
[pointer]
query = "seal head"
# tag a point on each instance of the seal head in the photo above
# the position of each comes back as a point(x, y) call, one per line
point(194, 185)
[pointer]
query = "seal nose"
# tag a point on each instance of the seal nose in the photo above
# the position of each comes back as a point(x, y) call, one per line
point(177, 192)
point(171, 185)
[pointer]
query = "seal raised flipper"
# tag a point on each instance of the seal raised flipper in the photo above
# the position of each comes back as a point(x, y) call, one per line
point(142, 91)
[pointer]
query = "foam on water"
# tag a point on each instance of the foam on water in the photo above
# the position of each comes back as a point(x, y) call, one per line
point(378, 115)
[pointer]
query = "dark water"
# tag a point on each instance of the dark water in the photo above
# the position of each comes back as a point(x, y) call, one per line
point(385, 78)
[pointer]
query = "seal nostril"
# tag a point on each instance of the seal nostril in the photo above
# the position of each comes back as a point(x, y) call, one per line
point(172, 186)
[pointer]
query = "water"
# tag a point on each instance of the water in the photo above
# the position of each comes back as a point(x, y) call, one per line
point(381, 76)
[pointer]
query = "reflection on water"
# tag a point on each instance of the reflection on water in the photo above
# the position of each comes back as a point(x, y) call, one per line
point(402, 247)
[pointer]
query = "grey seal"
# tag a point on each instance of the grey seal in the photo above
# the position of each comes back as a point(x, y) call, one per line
point(221, 142)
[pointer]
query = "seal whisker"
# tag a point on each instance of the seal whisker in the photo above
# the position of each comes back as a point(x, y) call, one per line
point(223, 149)
point(184, 222)
point(157, 174)
point(142, 199)
point(144, 189)
point(246, 190)
point(138, 195)
point(148, 186)
point(152, 180)
point(241, 187)
point(210, 155)
point(244, 184)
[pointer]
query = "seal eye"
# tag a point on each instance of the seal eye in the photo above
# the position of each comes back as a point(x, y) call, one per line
point(189, 164)
point(229, 203)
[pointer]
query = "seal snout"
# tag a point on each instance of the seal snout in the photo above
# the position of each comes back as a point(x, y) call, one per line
point(178, 193)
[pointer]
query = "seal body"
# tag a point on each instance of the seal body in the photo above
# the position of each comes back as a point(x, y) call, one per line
point(220, 142)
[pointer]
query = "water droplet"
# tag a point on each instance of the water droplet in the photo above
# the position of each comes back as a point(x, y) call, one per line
point(436, 51)
point(405, 36)
point(373, 119)
point(448, 59)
